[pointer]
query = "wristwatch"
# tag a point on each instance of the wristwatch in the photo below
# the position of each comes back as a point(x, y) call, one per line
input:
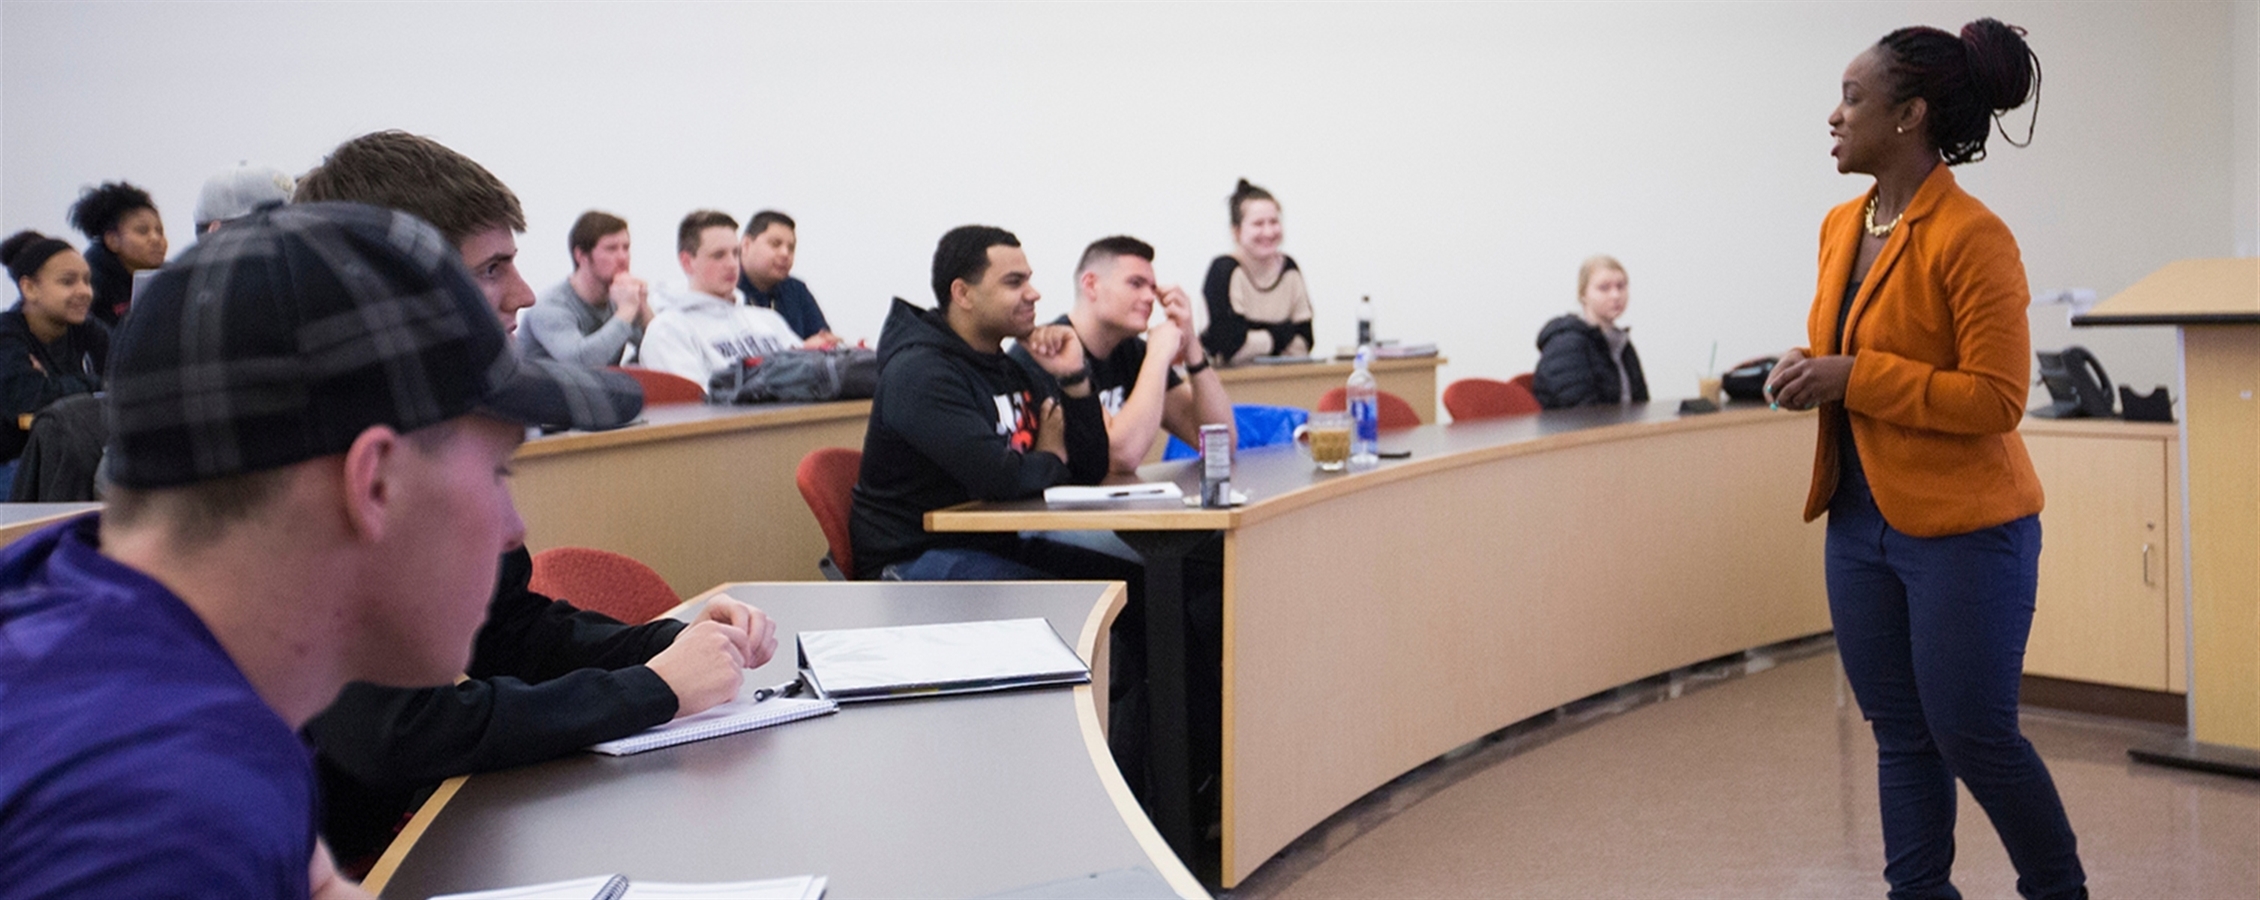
point(1198, 368)
point(1082, 375)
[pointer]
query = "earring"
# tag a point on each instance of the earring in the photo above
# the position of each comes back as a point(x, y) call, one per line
point(1902, 129)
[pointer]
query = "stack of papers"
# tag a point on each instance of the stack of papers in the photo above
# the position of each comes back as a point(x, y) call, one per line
point(1113, 493)
point(617, 887)
point(1390, 350)
point(854, 664)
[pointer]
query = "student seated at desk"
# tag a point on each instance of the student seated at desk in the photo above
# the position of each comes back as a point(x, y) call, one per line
point(956, 419)
point(312, 515)
point(49, 347)
point(124, 235)
point(598, 313)
point(1584, 359)
point(1136, 380)
point(765, 277)
point(705, 330)
point(1257, 303)
point(545, 679)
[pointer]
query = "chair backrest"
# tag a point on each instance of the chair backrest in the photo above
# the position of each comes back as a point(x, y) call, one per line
point(827, 481)
point(663, 388)
point(61, 454)
point(1528, 381)
point(1395, 412)
point(603, 581)
point(1485, 398)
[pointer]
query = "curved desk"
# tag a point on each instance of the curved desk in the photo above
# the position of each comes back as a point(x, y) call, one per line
point(1375, 621)
point(939, 797)
point(705, 494)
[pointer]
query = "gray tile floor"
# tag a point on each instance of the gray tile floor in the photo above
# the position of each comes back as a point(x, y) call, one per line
point(1725, 784)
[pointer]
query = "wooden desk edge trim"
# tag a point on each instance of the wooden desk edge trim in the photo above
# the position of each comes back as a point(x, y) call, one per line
point(2189, 318)
point(1256, 372)
point(964, 517)
point(10, 534)
point(410, 834)
point(1142, 829)
point(748, 418)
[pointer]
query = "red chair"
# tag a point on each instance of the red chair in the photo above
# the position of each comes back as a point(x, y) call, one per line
point(1485, 398)
point(603, 581)
point(827, 481)
point(662, 388)
point(1528, 381)
point(1395, 412)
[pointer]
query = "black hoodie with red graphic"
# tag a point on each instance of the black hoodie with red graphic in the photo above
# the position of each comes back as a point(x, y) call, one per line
point(951, 424)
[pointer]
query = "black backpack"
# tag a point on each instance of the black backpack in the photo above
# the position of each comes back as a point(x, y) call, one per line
point(798, 376)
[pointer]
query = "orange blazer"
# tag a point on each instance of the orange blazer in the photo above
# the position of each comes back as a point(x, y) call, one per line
point(1941, 356)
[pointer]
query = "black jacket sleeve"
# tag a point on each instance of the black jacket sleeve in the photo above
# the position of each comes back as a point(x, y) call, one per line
point(945, 413)
point(545, 680)
point(1564, 377)
point(1227, 332)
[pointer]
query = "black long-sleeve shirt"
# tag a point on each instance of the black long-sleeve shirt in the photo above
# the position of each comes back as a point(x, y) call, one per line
point(545, 680)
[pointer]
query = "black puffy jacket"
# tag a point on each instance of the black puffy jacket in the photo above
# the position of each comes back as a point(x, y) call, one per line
point(1574, 368)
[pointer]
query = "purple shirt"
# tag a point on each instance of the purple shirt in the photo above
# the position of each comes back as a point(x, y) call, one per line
point(135, 759)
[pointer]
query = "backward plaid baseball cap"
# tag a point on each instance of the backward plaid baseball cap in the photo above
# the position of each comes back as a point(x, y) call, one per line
point(281, 338)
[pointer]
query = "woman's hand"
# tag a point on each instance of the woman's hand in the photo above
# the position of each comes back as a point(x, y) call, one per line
point(1804, 382)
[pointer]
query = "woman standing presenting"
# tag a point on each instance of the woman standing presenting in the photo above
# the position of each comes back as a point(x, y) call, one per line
point(1918, 364)
point(1257, 304)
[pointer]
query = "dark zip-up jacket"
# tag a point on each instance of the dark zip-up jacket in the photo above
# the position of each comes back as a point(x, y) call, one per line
point(1574, 368)
point(949, 425)
point(34, 374)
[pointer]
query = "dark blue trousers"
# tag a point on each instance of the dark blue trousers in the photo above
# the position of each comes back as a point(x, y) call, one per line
point(1932, 634)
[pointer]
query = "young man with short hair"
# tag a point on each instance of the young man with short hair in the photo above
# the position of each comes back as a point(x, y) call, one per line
point(597, 313)
point(704, 332)
point(1137, 381)
point(545, 679)
point(956, 419)
point(766, 279)
point(312, 417)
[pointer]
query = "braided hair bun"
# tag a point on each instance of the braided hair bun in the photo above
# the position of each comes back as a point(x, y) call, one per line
point(1965, 80)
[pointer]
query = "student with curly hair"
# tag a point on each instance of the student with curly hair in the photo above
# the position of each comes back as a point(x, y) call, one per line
point(124, 235)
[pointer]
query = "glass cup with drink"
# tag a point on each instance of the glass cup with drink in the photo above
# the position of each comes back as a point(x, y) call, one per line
point(1326, 440)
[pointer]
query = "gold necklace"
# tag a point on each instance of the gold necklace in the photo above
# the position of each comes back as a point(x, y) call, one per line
point(1868, 216)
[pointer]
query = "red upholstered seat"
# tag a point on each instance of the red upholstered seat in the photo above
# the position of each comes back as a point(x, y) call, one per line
point(663, 388)
point(1395, 412)
point(1485, 398)
point(603, 581)
point(827, 481)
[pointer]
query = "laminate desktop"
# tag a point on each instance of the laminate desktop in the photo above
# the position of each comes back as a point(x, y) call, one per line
point(953, 796)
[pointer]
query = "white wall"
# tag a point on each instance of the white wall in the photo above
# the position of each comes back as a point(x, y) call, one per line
point(1453, 161)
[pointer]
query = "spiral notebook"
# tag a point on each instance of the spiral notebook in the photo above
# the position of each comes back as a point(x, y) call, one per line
point(742, 714)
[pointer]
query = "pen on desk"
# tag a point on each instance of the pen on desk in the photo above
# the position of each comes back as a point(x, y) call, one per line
point(787, 689)
point(1137, 492)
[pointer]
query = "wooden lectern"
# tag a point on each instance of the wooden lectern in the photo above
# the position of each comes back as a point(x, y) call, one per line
point(2215, 304)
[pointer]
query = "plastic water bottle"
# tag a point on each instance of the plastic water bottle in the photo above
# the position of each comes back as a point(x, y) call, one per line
point(1365, 321)
point(1363, 396)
